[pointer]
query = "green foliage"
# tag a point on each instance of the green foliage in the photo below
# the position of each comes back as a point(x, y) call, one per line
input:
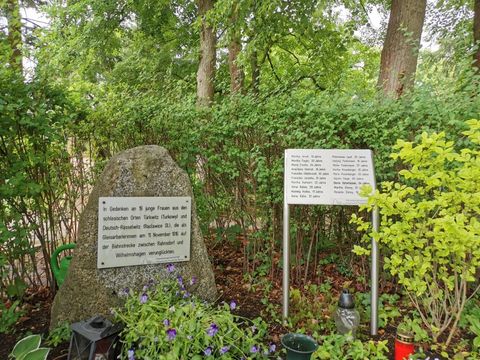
point(472, 308)
point(414, 325)
point(429, 224)
point(60, 334)
point(40, 189)
point(388, 310)
point(29, 348)
point(234, 151)
point(311, 309)
point(470, 320)
point(9, 316)
point(166, 322)
point(337, 347)
point(475, 329)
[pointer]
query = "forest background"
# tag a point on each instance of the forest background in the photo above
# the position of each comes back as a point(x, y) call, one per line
point(226, 86)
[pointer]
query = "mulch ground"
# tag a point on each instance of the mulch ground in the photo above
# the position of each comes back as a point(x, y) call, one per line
point(36, 320)
point(231, 283)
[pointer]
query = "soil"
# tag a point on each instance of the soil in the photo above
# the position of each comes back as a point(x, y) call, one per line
point(36, 320)
point(228, 265)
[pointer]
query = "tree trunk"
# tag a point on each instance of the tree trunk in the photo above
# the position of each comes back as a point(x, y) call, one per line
point(234, 48)
point(476, 32)
point(14, 20)
point(236, 73)
point(206, 67)
point(400, 49)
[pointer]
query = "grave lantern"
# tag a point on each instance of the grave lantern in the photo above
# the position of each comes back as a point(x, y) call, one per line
point(346, 317)
point(94, 339)
point(404, 346)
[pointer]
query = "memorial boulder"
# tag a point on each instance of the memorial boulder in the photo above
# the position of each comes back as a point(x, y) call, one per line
point(140, 216)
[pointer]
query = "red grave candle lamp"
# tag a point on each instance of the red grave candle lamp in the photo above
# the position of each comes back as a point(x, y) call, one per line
point(404, 346)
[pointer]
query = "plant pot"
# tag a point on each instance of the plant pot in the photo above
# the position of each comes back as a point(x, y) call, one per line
point(299, 346)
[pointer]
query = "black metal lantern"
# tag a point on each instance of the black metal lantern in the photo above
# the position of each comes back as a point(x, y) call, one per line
point(94, 339)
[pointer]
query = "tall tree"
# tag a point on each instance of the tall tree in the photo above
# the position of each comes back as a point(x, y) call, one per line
point(206, 67)
point(476, 32)
point(14, 23)
point(234, 47)
point(400, 49)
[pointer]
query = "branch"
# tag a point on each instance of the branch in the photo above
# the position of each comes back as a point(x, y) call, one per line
point(297, 60)
point(273, 69)
point(311, 77)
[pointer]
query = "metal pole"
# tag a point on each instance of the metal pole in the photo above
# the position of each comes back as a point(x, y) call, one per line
point(374, 276)
point(286, 258)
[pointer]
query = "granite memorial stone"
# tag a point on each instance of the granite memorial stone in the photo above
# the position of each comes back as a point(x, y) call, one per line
point(149, 196)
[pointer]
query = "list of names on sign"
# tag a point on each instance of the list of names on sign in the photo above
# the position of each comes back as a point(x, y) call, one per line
point(143, 230)
point(327, 177)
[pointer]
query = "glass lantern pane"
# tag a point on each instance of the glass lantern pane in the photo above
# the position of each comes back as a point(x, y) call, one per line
point(81, 347)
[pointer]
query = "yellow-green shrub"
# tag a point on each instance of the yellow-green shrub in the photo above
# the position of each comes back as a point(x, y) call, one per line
point(430, 228)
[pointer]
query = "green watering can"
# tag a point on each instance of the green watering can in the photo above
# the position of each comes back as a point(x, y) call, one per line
point(59, 269)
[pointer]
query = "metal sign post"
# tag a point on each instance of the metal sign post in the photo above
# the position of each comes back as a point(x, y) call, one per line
point(328, 177)
point(374, 277)
point(286, 258)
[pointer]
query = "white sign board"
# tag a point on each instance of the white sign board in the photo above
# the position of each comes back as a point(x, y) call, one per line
point(327, 177)
point(143, 230)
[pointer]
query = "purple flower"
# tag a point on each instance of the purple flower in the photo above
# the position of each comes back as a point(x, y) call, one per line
point(272, 348)
point(170, 268)
point(208, 351)
point(125, 292)
point(143, 298)
point(180, 280)
point(224, 349)
point(212, 330)
point(193, 280)
point(171, 334)
point(166, 322)
point(233, 305)
point(131, 354)
point(254, 349)
point(186, 295)
point(148, 285)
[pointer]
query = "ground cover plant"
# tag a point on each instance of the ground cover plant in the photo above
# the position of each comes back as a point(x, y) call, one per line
point(341, 347)
point(165, 321)
point(29, 348)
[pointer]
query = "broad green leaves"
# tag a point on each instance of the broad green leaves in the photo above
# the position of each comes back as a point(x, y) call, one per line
point(429, 223)
point(29, 348)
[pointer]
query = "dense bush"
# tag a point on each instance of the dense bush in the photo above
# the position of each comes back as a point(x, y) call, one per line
point(43, 181)
point(234, 154)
